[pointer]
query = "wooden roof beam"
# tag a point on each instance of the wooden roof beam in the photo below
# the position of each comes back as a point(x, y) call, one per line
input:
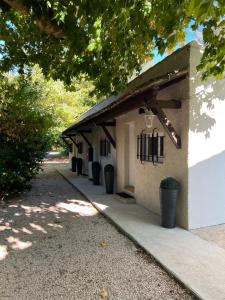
point(73, 141)
point(109, 123)
point(166, 123)
point(85, 138)
point(109, 136)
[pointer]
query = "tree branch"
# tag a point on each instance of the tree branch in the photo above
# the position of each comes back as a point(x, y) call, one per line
point(44, 24)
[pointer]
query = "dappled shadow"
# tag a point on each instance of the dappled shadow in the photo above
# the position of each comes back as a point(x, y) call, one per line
point(55, 245)
point(203, 99)
point(40, 214)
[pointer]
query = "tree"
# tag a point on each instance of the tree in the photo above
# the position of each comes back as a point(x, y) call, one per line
point(67, 105)
point(33, 113)
point(105, 40)
point(25, 131)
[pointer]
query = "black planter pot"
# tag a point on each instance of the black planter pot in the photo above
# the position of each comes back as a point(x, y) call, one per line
point(79, 164)
point(96, 167)
point(109, 178)
point(168, 203)
point(74, 164)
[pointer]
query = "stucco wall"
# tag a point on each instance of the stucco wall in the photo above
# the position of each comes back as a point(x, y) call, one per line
point(146, 176)
point(83, 155)
point(206, 160)
point(111, 158)
point(94, 137)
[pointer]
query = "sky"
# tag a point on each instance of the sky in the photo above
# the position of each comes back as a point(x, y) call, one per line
point(191, 36)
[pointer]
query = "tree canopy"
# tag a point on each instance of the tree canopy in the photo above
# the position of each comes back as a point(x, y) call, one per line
point(33, 113)
point(66, 105)
point(105, 40)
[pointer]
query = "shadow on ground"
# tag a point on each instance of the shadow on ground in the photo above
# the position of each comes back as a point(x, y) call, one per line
point(55, 245)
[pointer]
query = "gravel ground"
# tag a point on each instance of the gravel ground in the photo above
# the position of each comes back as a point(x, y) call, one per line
point(55, 245)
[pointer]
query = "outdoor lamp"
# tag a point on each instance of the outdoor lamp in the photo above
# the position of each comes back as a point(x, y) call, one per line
point(149, 117)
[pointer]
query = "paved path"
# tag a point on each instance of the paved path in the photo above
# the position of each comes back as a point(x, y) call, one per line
point(55, 245)
point(196, 262)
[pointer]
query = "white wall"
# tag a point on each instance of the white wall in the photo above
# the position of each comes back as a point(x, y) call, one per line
point(105, 160)
point(206, 159)
point(94, 137)
point(83, 155)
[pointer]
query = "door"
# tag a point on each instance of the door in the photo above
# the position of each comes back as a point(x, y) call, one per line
point(130, 156)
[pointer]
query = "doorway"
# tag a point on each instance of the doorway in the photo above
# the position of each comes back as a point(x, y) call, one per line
point(129, 157)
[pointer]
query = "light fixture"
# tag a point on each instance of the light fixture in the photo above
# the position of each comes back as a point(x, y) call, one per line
point(149, 117)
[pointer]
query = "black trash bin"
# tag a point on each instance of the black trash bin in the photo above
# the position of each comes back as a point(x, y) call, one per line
point(169, 190)
point(74, 164)
point(79, 164)
point(96, 168)
point(109, 178)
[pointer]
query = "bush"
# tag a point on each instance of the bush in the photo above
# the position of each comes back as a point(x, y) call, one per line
point(25, 132)
point(170, 183)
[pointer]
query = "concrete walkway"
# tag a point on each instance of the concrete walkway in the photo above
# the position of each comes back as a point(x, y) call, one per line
point(198, 264)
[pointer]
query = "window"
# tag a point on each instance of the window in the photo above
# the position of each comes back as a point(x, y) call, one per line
point(105, 147)
point(150, 147)
point(80, 148)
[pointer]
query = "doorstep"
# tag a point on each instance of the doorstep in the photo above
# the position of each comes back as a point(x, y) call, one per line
point(197, 263)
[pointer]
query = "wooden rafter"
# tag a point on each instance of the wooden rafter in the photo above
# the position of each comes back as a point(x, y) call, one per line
point(152, 104)
point(85, 131)
point(132, 100)
point(85, 138)
point(109, 123)
point(74, 142)
point(65, 141)
point(109, 136)
point(166, 123)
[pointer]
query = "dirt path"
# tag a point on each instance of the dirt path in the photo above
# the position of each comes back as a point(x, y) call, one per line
point(55, 245)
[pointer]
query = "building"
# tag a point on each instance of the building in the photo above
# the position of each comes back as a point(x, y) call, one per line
point(185, 140)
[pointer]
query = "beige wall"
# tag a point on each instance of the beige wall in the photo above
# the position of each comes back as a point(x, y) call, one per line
point(146, 176)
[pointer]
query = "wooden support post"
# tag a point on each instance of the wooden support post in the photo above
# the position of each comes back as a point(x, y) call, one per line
point(108, 135)
point(85, 138)
point(71, 138)
point(166, 123)
point(65, 141)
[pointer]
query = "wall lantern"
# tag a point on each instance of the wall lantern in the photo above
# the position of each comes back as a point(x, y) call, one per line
point(149, 118)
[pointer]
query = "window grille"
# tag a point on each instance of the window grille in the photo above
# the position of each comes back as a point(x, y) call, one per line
point(150, 147)
point(105, 147)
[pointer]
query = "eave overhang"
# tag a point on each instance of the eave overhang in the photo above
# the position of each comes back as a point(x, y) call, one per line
point(128, 101)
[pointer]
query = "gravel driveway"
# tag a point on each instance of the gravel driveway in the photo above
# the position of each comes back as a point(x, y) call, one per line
point(55, 245)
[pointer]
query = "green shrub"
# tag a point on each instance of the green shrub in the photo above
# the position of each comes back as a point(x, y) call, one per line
point(170, 183)
point(25, 132)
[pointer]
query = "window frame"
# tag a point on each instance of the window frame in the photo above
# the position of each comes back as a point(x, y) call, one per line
point(105, 147)
point(151, 147)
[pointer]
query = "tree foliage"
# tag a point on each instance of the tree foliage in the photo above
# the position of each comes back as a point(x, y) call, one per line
point(33, 113)
point(67, 105)
point(105, 40)
point(24, 131)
